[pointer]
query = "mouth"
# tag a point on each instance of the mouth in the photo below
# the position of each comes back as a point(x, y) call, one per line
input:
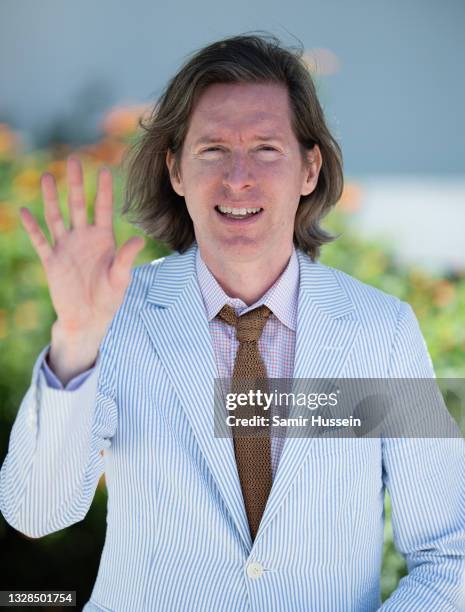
point(237, 214)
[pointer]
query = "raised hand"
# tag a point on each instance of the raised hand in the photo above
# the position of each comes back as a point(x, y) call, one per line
point(87, 276)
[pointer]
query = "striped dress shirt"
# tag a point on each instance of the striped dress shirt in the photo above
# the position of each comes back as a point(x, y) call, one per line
point(277, 342)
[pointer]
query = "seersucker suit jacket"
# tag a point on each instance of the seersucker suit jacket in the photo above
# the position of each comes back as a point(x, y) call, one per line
point(177, 536)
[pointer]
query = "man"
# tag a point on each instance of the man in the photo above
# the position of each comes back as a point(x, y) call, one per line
point(234, 172)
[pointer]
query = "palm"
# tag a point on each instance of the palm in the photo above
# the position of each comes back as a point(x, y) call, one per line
point(87, 276)
point(78, 276)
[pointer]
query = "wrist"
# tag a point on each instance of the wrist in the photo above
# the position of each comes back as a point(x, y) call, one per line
point(72, 352)
point(66, 335)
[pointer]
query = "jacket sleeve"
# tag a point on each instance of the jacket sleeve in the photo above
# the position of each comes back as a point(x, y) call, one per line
point(425, 478)
point(54, 459)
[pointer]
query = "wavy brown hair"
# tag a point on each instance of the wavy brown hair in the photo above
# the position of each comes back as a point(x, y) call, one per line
point(150, 202)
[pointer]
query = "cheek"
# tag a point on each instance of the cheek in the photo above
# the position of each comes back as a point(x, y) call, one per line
point(201, 180)
point(284, 188)
point(282, 175)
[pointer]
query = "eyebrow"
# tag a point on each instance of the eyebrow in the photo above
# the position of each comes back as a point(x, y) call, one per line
point(207, 139)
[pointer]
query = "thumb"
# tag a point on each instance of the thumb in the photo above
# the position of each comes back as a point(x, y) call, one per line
point(124, 259)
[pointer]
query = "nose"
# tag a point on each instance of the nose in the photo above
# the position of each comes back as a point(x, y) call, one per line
point(237, 174)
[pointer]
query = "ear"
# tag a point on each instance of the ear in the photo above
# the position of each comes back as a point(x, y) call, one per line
point(175, 174)
point(312, 170)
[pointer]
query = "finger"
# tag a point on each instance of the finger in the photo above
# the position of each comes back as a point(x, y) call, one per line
point(76, 197)
point(52, 211)
point(38, 240)
point(104, 199)
point(124, 259)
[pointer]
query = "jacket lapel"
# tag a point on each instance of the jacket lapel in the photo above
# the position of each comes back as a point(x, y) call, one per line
point(177, 324)
point(327, 328)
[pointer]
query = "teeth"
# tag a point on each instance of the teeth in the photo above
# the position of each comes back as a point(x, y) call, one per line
point(238, 211)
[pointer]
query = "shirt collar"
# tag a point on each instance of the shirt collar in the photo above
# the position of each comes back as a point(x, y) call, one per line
point(281, 298)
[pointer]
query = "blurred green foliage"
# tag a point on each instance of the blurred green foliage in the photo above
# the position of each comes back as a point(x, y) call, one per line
point(26, 316)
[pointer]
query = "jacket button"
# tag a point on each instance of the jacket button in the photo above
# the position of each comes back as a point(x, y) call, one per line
point(254, 570)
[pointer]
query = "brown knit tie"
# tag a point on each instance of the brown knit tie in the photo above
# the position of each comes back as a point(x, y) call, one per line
point(253, 455)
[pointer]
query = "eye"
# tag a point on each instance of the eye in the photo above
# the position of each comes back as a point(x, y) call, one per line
point(268, 153)
point(211, 149)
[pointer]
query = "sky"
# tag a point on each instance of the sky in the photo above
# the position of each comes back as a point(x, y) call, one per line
point(392, 86)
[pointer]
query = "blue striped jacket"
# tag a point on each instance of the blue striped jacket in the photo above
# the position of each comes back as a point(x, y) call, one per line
point(177, 536)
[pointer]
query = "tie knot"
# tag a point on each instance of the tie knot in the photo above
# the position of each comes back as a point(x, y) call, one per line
point(249, 326)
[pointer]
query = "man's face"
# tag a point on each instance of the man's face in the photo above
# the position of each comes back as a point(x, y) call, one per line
point(240, 153)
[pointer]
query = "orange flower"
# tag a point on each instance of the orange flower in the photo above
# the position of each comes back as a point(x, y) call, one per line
point(351, 198)
point(322, 61)
point(444, 293)
point(108, 151)
point(122, 121)
point(57, 167)
point(27, 184)
point(9, 141)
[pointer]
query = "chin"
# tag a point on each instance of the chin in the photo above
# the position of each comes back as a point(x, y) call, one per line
point(242, 246)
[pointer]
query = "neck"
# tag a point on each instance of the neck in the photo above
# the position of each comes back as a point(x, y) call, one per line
point(248, 279)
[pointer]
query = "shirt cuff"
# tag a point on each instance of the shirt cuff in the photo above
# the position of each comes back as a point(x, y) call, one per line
point(55, 383)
